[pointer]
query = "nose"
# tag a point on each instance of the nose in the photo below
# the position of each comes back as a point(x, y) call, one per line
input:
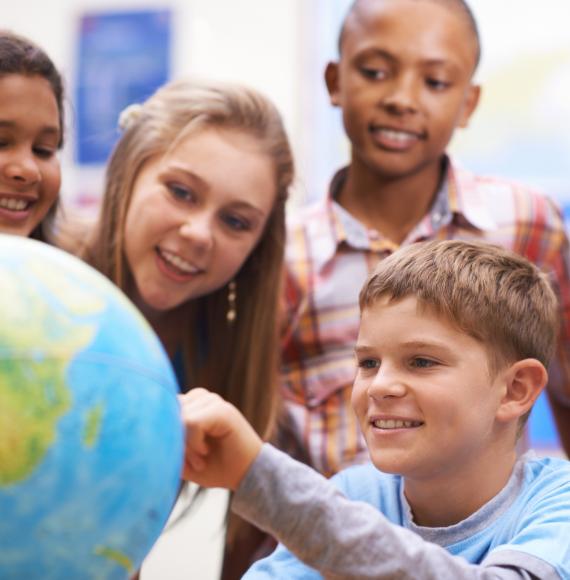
point(197, 229)
point(401, 96)
point(387, 383)
point(22, 168)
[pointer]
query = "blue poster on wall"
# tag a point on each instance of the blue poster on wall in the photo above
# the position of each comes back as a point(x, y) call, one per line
point(123, 58)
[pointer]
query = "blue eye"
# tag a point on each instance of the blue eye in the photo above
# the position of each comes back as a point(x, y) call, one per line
point(180, 192)
point(423, 363)
point(368, 363)
point(237, 223)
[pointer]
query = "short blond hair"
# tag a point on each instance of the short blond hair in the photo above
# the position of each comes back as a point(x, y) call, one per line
point(490, 293)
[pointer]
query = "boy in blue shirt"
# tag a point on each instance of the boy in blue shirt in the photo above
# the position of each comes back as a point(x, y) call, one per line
point(404, 84)
point(451, 354)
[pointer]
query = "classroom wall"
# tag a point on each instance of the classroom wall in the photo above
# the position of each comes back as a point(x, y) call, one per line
point(521, 130)
point(252, 41)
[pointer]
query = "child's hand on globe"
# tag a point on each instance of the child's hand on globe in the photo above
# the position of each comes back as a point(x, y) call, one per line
point(220, 444)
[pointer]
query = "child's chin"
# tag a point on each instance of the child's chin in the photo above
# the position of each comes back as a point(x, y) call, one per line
point(386, 464)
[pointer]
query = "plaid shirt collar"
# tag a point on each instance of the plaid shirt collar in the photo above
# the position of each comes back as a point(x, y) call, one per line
point(457, 199)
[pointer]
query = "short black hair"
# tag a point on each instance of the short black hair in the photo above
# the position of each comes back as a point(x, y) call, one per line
point(458, 4)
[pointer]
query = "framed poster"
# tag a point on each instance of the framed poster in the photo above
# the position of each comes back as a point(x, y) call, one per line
point(122, 58)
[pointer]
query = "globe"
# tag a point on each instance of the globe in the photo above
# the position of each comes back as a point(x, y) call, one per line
point(91, 440)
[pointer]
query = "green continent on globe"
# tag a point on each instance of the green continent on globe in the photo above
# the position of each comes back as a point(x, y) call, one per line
point(93, 425)
point(38, 340)
point(33, 396)
point(116, 556)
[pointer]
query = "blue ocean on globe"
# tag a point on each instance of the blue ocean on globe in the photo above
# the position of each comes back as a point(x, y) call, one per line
point(91, 440)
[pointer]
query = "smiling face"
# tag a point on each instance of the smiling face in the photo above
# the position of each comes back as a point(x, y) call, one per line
point(403, 83)
point(423, 393)
point(29, 138)
point(195, 215)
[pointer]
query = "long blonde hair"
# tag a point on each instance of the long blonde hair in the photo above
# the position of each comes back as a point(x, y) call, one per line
point(240, 360)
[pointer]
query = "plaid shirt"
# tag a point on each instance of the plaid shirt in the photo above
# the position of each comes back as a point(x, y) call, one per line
point(329, 256)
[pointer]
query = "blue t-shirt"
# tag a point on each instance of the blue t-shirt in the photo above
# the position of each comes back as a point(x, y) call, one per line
point(526, 526)
point(523, 516)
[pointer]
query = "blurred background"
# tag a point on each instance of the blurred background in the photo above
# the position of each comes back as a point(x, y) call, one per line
point(114, 53)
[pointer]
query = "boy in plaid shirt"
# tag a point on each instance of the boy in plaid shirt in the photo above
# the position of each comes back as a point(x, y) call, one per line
point(404, 82)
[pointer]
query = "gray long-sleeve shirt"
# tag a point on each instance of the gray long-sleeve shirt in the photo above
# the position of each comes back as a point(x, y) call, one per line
point(344, 539)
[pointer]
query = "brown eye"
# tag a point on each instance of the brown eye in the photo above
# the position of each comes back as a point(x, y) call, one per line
point(372, 73)
point(437, 84)
point(44, 152)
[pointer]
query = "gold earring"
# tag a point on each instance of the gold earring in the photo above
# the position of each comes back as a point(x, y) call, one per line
point(232, 296)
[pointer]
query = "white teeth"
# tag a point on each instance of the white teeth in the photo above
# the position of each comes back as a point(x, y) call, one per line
point(13, 204)
point(397, 136)
point(179, 263)
point(395, 424)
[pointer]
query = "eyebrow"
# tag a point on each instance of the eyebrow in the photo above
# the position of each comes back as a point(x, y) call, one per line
point(201, 182)
point(419, 344)
point(392, 58)
point(362, 349)
point(248, 206)
point(376, 52)
point(50, 129)
point(206, 187)
point(425, 344)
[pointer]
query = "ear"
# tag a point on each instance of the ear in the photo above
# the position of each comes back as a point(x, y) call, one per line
point(524, 381)
point(470, 104)
point(331, 80)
